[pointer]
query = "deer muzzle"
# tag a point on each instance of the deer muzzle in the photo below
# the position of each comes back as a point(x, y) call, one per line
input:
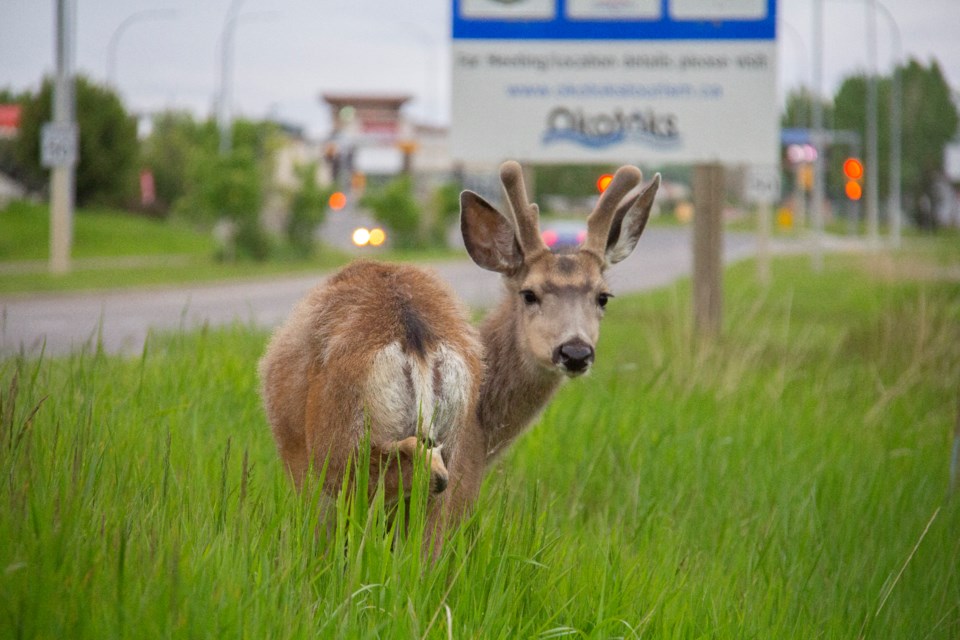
point(574, 357)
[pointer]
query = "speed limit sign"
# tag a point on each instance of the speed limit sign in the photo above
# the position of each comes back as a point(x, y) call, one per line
point(58, 144)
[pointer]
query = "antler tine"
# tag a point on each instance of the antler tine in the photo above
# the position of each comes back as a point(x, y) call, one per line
point(598, 223)
point(526, 215)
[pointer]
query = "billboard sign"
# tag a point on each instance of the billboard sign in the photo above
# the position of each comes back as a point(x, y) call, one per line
point(652, 81)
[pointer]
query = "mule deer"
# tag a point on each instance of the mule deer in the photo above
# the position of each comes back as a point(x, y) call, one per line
point(391, 342)
point(546, 327)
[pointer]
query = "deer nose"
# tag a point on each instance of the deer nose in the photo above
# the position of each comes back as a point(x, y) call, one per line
point(574, 356)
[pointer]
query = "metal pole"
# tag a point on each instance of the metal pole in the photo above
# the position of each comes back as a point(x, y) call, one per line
point(896, 124)
point(816, 207)
point(225, 92)
point(873, 156)
point(62, 183)
point(139, 16)
point(226, 63)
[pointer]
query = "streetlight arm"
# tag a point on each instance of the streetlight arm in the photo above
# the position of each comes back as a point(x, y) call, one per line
point(139, 16)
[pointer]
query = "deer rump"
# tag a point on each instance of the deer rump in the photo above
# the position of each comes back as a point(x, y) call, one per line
point(383, 345)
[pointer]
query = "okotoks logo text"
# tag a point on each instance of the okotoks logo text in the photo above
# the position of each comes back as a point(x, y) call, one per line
point(605, 129)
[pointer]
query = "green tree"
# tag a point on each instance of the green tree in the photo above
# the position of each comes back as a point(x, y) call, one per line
point(308, 208)
point(445, 205)
point(169, 151)
point(228, 189)
point(929, 122)
point(395, 208)
point(107, 168)
point(798, 111)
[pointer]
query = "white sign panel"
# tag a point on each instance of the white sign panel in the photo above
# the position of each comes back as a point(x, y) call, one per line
point(762, 185)
point(58, 145)
point(617, 82)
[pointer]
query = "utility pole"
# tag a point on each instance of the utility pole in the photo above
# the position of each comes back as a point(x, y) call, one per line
point(226, 77)
point(873, 157)
point(819, 177)
point(896, 124)
point(58, 144)
point(224, 103)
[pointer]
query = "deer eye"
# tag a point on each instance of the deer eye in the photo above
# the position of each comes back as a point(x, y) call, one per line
point(603, 299)
point(529, 297)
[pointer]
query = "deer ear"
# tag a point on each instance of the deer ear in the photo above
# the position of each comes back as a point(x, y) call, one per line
point(629, 221)
point(490, 236)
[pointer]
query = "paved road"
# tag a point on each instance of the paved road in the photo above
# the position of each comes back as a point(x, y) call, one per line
point(68, 321)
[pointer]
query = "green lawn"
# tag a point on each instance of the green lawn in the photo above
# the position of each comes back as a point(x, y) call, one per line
point(115, 249)
point(789, 480)
point(98, 233)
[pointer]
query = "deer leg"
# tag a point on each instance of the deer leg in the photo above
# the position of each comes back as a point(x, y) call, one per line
point(450, 508)
point(394, 462)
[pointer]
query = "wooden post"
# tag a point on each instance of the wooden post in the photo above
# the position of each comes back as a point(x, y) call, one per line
point(707, 248)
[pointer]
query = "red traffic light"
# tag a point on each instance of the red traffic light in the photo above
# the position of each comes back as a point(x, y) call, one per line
point(853, 190)
point(604, 181)
point(337, 201)
point(853, 168)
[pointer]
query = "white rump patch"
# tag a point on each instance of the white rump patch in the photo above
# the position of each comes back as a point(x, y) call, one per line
point(405, 395)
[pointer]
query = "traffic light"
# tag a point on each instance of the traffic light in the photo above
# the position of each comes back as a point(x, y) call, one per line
point(337, 201)
point(853, 172)
point(604, 181)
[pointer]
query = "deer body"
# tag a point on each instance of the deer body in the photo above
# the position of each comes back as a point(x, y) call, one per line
point(384, 345)
point(393, 341)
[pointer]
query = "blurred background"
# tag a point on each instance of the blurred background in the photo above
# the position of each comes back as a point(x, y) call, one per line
point(257, 121)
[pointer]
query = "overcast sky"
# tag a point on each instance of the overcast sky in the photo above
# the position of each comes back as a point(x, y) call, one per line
point(287, 52)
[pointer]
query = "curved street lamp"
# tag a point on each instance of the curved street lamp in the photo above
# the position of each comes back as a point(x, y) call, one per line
point(225, 89)
point(139, 16)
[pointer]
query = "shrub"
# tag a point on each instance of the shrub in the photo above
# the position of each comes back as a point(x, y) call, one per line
point(395, 208)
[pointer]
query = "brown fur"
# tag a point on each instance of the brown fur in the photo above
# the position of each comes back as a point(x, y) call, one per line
point(368, 338)
point(355, 348)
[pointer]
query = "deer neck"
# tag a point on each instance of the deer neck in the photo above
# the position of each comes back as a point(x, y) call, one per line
point(515, 388)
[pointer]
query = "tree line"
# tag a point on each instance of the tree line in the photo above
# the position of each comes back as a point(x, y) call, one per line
point(193, 181)
point(929, 121)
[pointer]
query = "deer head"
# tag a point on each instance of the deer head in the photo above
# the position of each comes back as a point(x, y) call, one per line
point(556, 298)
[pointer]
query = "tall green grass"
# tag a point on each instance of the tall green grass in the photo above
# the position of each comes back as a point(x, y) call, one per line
point(789, 480)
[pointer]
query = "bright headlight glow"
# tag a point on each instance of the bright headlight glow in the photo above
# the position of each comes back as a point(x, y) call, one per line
point(377, 237)
point(361, 237)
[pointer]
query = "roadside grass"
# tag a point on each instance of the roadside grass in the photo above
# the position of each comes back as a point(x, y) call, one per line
point(788, 480)
point(98, 233)
point(114, 249)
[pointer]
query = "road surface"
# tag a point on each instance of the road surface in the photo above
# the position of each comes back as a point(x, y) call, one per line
point(60, 323)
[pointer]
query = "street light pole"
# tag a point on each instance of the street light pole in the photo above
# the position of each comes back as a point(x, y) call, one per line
point(873, 156)
point(896, 124)
point(816, 207)
point(226, 63)
point(225, 90)
point(139, 16)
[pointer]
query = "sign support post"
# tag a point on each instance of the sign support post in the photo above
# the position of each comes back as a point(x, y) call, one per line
point(707, 248)
point(59, 144)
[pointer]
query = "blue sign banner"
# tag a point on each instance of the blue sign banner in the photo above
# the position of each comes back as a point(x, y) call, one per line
point(562, 20)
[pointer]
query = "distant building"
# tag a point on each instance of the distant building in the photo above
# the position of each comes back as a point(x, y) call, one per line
point(10, 115)
point(9, 120)
point(372, 136)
